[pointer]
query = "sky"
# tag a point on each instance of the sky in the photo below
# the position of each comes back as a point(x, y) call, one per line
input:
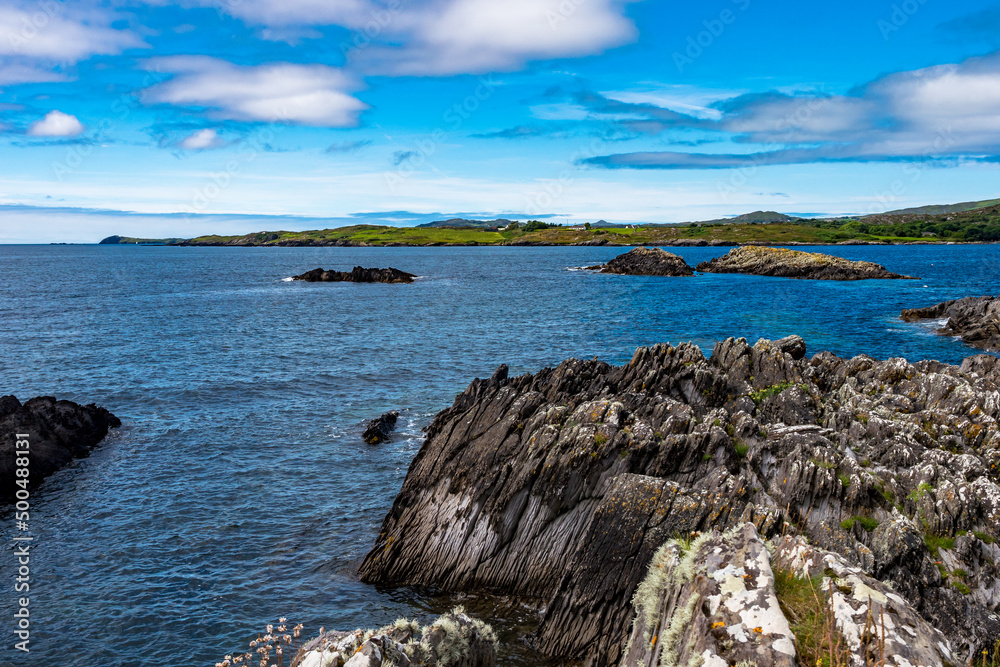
point(151, 118)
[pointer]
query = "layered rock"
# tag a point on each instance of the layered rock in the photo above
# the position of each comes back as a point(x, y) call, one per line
point(976, 320)
point(785, 263)
point(58, 432)
point(558, 488)
point(646, 262)
point(357, 275)
point(378, 429)
point(453, 640)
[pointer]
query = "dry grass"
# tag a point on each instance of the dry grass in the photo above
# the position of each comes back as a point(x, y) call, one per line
point(810, 615)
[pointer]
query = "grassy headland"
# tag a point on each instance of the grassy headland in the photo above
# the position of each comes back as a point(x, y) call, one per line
point(971, 226)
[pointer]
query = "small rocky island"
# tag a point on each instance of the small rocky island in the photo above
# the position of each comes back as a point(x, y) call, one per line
point(646, 262)
point(976, 320)
point(58, 432)
point(679, 509)
point(784, 263)
point(358, 275)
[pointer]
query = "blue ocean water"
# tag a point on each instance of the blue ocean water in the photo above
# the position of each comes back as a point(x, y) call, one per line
point(238, 489)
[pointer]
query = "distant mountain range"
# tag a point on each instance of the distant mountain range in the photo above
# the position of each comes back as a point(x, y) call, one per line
point(468, 224)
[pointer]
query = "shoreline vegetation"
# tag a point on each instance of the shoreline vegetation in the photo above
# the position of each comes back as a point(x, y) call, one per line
point(979, 225)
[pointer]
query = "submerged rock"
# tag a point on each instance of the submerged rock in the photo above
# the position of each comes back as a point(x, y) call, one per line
point(784, 263)
point(58, 432)
point(357, 275)
point(378, 429)
point(975, 319)
point(646, 262)
point(453, 640)
point(558, 488)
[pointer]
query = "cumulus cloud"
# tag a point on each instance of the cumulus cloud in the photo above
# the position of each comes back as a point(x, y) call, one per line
point(56, 124)
point(201, 140)
point(479, 36)
point(282, 92)
point(443, 37)
point(940, 114)
point(59, 32)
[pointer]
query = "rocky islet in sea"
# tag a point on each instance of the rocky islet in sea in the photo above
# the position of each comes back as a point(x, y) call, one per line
point(785, 263)
point(358, 274)
point(561, 488)
point(646, 262)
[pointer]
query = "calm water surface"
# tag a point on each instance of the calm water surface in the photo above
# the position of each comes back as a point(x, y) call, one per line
point(238, 489)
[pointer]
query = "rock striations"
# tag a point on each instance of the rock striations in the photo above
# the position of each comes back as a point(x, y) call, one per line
point(975, 319)
point(58, 431)
point(560, 489)
point(357, 275)
point(784, 263)
point(646, 262)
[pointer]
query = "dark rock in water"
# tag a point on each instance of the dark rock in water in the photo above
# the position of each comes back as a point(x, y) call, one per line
point(357, 275)
point(975, 319)
point(784, 263)
point(453, 640)
point(559, 488)
point(58, 432)
point(378, 429)
point(647, 262)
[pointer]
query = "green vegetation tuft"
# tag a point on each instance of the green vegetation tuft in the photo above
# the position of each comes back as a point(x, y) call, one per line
point(984, 537)
point(866, 522)
point(773, 390)
point(817, 639)
point(937, 542)
point(741, 448)
point(600, 439)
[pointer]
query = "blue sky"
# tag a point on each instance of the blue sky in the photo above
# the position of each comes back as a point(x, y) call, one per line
point(154, 118)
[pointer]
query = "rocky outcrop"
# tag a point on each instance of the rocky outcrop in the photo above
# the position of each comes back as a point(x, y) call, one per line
point(559, 488)
point(646, 262)
point(976, 320)
point(729, 599)
point(357, 275)
point(378, 429)
point(58, 432)
point(453, 640)
point(784, 263)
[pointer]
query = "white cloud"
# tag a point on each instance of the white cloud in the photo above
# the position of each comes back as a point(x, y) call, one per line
point(302, 94)
point(59, 32)
point(479, 36)
point(201, 140)
point(14, 73)
point(56, 124)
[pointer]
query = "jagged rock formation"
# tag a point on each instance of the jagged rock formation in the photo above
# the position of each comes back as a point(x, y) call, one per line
point(784, 263)
point(714, 602)
point(58, 431)
point(357, 275)
point(646, 262)
point(378, 429)
point(975, 319)
point(558, 488)
point(453, 640)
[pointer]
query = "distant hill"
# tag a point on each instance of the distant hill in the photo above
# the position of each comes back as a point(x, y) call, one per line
point(129, 240)
point(939, 209)
point(756, 217)
point(468, 224)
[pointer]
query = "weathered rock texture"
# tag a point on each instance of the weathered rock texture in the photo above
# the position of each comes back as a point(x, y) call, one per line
point(59, 431)
point(647, 262)
point(453, 640)
point(714, 602)
point(975, 319)
point(784, 263)
point(559, 487)
point(357, 275)
point(378, 429)
point(714, 605)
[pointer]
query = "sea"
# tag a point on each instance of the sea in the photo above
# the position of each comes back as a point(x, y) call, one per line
point(238, 489)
